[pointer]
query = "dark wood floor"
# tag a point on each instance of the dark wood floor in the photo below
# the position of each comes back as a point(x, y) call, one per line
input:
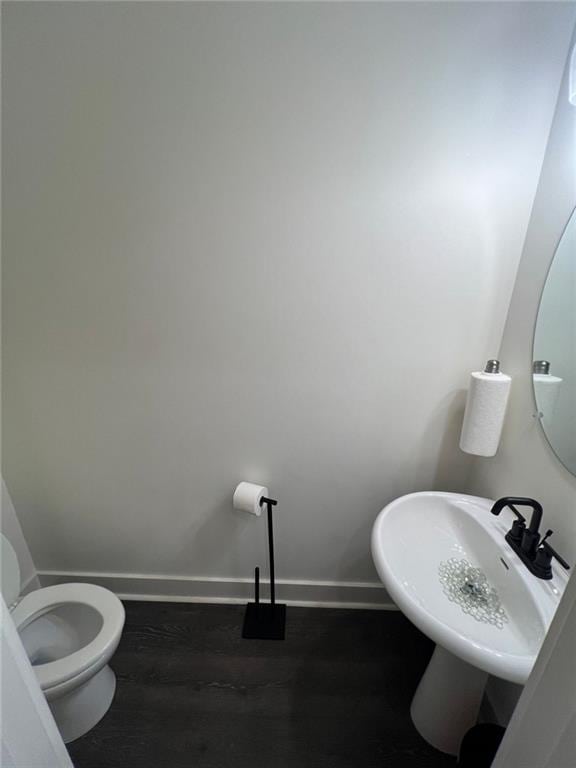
point(192, 694)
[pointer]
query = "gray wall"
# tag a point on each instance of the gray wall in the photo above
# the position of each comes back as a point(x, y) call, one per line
point(255, 241)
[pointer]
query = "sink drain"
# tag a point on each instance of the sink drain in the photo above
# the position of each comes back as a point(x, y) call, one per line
point(468, 586)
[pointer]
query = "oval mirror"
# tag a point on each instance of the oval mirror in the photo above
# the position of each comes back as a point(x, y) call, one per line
point(554, 361)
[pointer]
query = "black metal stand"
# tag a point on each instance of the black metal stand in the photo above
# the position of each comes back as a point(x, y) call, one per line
point(265, 621)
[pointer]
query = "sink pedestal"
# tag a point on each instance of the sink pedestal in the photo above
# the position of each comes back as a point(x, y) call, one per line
point(447, 700)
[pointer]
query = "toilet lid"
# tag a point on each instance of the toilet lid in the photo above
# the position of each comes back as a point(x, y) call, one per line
point(10, 583)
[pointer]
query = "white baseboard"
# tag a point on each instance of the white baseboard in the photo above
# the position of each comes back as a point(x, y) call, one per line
point(193, 589)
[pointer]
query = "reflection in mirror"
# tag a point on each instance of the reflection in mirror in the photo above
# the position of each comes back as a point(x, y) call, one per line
point(554, 360)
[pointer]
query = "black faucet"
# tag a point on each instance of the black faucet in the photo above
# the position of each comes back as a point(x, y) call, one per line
point(536, 554)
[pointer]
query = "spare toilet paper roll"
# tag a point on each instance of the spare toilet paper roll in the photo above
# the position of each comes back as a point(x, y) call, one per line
point(485, 410)
point(247, 497)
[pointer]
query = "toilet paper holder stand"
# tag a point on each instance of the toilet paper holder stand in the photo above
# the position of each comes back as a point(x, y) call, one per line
point(265, 621)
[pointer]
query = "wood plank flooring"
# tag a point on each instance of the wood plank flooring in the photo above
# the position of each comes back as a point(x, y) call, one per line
point(192, 694)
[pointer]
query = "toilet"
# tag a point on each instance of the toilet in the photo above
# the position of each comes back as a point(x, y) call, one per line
point(70, 632)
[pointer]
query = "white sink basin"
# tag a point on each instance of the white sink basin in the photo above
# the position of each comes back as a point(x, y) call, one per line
point(411, 537)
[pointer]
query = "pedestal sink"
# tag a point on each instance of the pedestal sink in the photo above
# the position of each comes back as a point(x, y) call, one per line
point(416, 541)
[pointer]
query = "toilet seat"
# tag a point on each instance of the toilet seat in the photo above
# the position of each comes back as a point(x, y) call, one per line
point(110, 608)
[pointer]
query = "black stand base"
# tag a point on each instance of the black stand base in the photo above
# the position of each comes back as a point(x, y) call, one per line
point(263, 621)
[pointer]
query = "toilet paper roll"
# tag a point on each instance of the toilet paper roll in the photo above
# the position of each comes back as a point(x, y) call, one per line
point(485, 410)
point(546, 389)
point(247, 497)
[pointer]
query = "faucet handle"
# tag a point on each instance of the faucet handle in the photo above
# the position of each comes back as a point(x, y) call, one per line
point(517, 531)
point(544, 555)
point(519, 515)
point(544, 545)
point(518, 526)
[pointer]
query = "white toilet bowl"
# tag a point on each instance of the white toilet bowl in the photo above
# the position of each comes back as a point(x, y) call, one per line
point(70, 632)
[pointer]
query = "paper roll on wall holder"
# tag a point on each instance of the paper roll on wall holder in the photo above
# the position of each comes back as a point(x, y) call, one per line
point(485, 410)
point(546, 391)
point(265, 621)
